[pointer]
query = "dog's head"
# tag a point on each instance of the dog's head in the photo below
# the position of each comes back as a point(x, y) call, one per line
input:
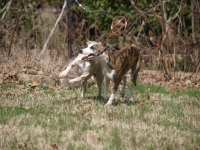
point(93, 49)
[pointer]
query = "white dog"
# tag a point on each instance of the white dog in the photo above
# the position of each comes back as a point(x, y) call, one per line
point(86, 69)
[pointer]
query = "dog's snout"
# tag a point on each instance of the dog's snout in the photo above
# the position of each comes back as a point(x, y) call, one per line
point(81, 51)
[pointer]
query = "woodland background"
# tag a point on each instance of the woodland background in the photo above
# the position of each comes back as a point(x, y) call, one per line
point(168, 33)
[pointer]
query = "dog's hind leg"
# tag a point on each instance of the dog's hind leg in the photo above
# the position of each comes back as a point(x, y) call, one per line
point(133, 79)
point(122, 92)
point(134, 73)
point(99, 79)
point(84, 89)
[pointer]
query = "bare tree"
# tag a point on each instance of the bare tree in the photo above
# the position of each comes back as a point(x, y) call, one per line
point(167, 40)
point(195, 19)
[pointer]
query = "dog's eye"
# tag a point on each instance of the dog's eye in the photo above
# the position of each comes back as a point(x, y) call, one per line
point(92, 47)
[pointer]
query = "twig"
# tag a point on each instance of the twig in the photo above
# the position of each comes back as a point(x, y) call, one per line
point(140, 30)
point(4, 7)
point(146, 102)
point(47, 41)
point(7, 8)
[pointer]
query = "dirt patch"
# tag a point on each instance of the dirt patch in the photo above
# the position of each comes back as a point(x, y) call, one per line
point(181, 80)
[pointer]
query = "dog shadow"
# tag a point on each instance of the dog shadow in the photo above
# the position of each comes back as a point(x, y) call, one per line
point(116, 102)
point(129, 103)
point(86, 97)
point(101, 99)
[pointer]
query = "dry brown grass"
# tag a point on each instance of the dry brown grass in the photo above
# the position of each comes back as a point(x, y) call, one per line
point(38, 117)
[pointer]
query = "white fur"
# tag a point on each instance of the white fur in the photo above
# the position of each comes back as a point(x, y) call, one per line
point(112, 97)
point(106, 84)
point(88, 50)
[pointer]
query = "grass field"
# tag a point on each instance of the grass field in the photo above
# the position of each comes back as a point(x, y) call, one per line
point(43, 118)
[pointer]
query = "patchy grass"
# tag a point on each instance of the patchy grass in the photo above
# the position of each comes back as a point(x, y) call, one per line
point(155, 118)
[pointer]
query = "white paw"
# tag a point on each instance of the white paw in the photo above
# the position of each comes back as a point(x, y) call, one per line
point(108, 103)
point(71, 81)
point(63, 74)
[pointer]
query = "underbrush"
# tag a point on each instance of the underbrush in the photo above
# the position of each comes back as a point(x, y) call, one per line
point(43, 118)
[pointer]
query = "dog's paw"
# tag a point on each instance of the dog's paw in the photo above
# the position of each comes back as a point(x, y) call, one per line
point(71, 81)
point(108, 103)
point(63, 74)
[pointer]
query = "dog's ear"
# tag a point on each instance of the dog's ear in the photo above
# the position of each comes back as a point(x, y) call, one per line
point(99, 43)
point(106, 48)
point(89, 42)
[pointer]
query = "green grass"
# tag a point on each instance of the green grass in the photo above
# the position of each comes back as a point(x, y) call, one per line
point(191, 92)
point(155, 118)
point(150, 88)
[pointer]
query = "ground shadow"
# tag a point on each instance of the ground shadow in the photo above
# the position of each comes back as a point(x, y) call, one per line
point(101, 99)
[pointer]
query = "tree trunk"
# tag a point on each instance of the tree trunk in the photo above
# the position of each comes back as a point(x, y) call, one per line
point(69, 30)
point(193, 30)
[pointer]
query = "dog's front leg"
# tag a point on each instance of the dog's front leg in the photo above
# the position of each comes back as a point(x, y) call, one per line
point(65, 72)
point(99, 80)
point(114, 90)
point(83, 88)
point(112, 97)
point(107, 82)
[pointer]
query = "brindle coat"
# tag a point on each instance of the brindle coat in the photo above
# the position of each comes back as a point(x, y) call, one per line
point(123, 60)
